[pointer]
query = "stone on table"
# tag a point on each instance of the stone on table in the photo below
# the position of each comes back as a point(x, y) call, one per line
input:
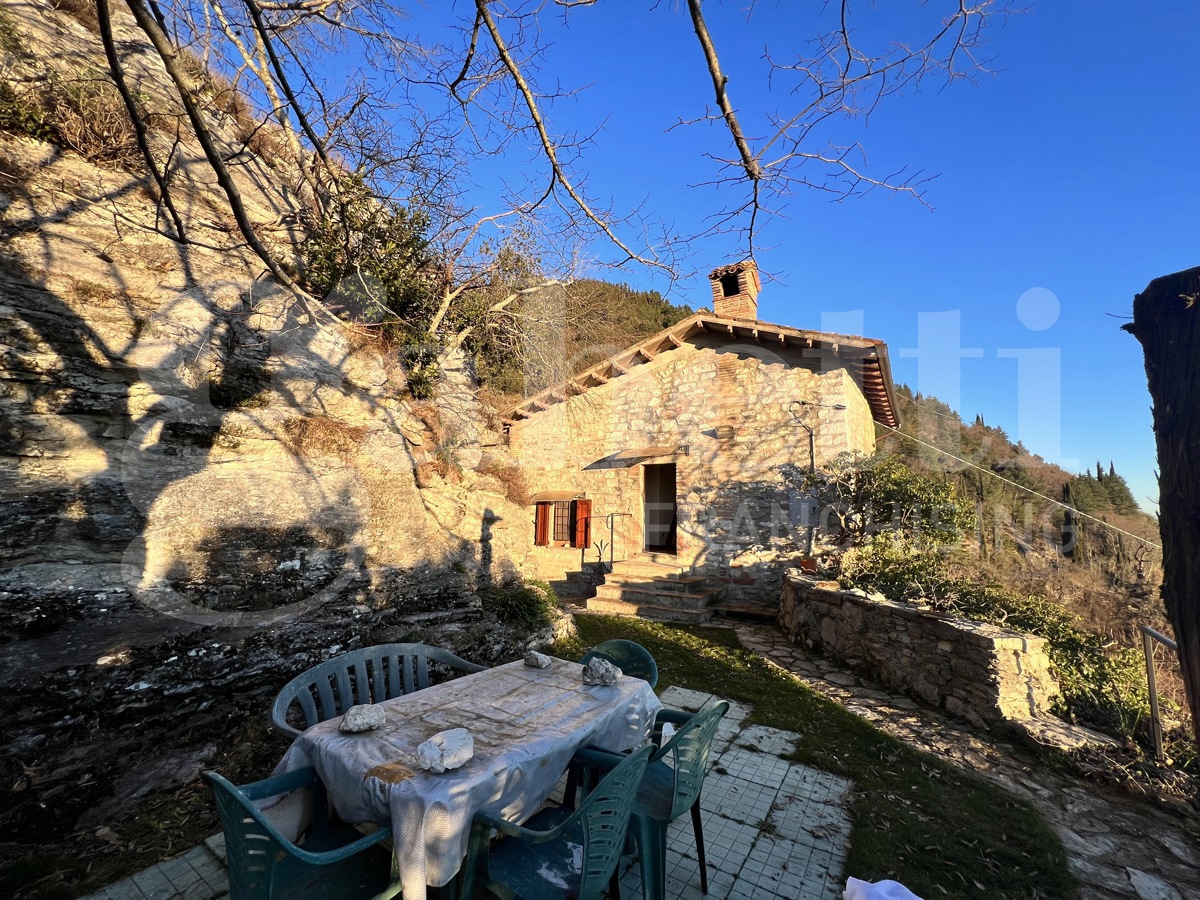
point(537, 660)
point(446, 750)
point(600, 672)
point(362, 718)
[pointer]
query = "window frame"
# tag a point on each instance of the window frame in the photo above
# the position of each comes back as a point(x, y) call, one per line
point(563, 523)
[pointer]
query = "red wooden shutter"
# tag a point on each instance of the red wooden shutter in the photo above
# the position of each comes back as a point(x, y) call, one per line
point(541, 524)
point(581, 534)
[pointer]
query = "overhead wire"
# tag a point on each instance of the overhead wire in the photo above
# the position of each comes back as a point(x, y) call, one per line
point(1021, 487)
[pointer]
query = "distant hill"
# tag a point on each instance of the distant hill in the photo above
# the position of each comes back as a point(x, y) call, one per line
point(567, 328)
point(1029, 508)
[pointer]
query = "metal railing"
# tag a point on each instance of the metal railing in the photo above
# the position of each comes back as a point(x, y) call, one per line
point(611, 519)
point(1149, 636)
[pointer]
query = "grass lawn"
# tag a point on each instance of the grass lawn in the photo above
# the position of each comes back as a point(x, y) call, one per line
point(939, 830)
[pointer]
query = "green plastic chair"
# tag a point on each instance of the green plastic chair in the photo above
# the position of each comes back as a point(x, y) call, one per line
point(632, 658)
point(539, 861)
point(368, 675)
point(670, 789)
point(334, 861)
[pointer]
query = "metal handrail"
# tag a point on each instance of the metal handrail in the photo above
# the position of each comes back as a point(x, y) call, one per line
point(611, 519)
point(1149, 635)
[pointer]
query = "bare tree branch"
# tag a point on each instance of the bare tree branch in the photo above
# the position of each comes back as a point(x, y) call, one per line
point(719, 80)
point(548, 145)
point(170, 58)
point(135, 117)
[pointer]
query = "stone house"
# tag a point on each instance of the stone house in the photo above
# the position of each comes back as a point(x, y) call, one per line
point(677, 459)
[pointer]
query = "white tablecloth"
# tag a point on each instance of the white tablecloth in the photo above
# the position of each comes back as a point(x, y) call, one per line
point(526, 724)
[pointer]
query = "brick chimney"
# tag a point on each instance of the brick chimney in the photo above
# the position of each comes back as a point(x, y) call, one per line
point(735, 291)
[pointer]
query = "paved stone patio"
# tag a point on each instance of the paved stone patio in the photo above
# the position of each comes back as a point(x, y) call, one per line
point(1119, 847)
point(771, 829)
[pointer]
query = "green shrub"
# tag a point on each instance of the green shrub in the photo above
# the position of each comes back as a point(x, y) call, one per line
point(1102, 685)
point(24, 114)
point(528, 604)
point(896, 566)
point(880, 494)
point(366, 256)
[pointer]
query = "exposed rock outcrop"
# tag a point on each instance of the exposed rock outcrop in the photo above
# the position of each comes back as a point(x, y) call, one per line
point(201, 490)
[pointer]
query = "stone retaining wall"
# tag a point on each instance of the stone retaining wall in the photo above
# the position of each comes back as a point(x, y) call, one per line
point(982, 673)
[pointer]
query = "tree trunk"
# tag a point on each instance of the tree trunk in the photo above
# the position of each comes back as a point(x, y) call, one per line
point(1166, 321)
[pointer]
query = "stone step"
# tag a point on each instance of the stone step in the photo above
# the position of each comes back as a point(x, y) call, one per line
point(667, 559)
point(644, 565)
point(647, 611)
point(747, 612)
point(645, 593)
point(677, 583)
point(574, 588)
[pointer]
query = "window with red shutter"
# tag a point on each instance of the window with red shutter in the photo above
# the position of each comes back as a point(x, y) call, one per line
point(541, 524)
point(581, 532)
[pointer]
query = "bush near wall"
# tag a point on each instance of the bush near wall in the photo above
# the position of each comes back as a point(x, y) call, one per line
point(1102, 685)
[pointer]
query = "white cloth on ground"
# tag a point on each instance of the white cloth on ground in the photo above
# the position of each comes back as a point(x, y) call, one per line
point(880, 890)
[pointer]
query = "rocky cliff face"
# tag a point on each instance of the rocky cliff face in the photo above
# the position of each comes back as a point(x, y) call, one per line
point(201, 490)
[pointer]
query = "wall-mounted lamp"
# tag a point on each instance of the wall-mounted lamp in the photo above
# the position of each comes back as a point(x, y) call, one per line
point(725, 432)
point(798, 408)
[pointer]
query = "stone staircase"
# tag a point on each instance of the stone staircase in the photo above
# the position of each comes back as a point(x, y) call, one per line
point(654, 586)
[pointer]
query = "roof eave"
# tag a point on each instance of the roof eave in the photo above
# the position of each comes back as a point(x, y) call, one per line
point(883, 409)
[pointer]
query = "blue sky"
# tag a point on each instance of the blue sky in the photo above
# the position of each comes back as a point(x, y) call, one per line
point(1067, 177)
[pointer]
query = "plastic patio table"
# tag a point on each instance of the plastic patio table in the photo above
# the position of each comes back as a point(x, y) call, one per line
point(526, 724)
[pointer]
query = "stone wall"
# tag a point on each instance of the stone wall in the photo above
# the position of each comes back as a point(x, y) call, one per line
point(731, 492)
point(174, 429)
point(201, 491)
point(982, 673)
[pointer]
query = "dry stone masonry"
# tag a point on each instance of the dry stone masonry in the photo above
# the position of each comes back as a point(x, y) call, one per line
point(692, 444)
point(987, 675)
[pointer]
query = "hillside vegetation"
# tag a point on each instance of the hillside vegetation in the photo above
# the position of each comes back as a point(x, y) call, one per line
point(1024, 513)
point(568, 328)
point(1068, 556)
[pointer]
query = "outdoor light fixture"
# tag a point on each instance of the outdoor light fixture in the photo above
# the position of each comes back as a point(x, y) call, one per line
point(725, 432)
point(798, 408)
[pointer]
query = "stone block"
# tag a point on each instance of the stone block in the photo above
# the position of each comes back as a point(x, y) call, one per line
point(446, 750)
point(600, 672)
point(362, 718)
